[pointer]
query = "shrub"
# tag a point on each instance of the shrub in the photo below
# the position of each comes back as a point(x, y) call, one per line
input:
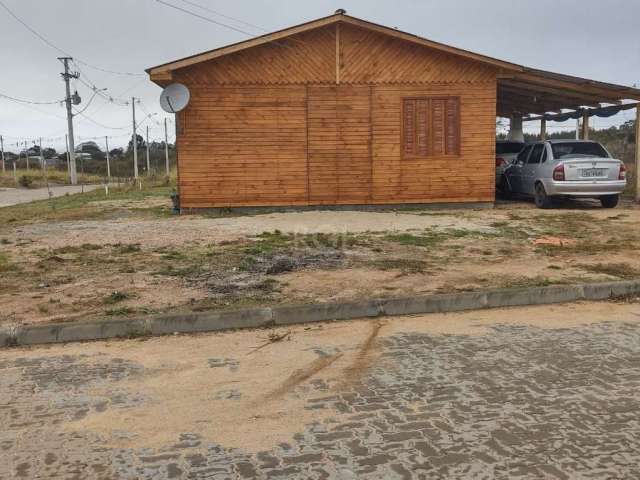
point(25, 181)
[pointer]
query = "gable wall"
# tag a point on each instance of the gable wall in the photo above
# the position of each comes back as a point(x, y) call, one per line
point(270, 126)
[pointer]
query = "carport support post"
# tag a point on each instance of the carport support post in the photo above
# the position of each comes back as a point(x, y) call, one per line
point(543, 129)
point(585, 125)
point(637, 169)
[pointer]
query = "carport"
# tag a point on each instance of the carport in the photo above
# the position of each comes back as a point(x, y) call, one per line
point(538, 95)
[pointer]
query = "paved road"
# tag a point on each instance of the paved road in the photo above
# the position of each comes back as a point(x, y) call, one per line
point(14, 196)
point(545, 392)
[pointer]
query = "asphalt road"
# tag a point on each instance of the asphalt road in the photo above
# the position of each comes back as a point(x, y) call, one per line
point(543, 392)
point(14, 196)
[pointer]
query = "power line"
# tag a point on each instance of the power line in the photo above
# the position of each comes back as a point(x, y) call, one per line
point(27, 105)
point(84, 115)
point(31, 102)
point(189, 12)
point(194, 4)
point(58, 49)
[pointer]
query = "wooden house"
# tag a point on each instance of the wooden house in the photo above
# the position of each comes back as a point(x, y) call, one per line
point(341, 111)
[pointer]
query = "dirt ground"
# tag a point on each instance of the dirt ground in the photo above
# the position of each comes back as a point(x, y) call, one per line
point(130, 256)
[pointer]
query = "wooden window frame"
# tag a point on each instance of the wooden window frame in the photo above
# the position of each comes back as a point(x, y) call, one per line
point(430, 154)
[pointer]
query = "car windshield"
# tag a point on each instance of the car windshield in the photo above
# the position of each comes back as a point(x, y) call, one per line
point(508, 147)
point(578, 149)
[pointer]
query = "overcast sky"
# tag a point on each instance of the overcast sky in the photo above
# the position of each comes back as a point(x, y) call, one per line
point(590, 38)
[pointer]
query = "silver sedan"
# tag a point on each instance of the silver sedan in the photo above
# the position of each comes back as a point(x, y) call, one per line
point(558, 168)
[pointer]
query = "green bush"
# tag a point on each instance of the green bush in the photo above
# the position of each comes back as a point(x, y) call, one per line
point(25, 181)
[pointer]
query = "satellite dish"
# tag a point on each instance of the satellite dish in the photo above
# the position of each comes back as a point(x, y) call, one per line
point(174, 98)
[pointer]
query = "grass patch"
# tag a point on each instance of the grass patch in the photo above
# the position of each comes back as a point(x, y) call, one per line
point(619, 270)
point(124, 248)
point(6, 265)
point(34, 178)
point(85, 247)
point(433, 238)
point(116, 297)
point(405, 265)
point(78, 206)
point(120, 311)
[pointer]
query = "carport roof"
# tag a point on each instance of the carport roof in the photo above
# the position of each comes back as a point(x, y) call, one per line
point(534, 91)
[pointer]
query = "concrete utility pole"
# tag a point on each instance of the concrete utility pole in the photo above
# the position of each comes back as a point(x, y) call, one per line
point(42, 165)
point(71, 146)
point(2, 150)
point(166, 148)
point(26, 154)
point(106, 147)
point(134, 140)
point(66, 144)
point(148, 163)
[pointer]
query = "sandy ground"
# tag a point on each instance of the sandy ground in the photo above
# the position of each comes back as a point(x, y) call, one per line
point(182, 230)
point(268, 387)
point(14, 196)
point(463, 264)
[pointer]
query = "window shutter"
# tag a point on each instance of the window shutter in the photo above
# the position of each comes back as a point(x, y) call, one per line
point(422, 127)
point(452, 145)
point(437, 127)
point(430, 126)
point(409, 127)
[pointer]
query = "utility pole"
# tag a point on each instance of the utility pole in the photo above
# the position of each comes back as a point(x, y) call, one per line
point(71, 147)
point(148, 163)
point(2, 150)
point(106, 146)
point(134, 139)
point(42, 165)
point(66, 143)
point(166, 148)
point(26, 153)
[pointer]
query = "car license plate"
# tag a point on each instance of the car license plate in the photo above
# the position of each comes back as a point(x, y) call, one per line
point(593, 172)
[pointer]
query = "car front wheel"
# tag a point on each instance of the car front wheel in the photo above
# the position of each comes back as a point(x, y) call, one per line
point(541, 198)
point(609, 201)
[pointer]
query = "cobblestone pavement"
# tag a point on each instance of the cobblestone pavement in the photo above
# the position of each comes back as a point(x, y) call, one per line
point(513, 401)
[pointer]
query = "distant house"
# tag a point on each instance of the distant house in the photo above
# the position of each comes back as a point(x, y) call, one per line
point(341, 111)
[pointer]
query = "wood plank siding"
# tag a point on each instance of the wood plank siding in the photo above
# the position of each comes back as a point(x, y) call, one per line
point(316, 119)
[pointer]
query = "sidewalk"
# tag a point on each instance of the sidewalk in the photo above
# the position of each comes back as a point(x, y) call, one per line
point(14, 196)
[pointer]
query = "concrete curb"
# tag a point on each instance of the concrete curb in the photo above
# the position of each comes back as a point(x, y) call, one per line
point(289, 315)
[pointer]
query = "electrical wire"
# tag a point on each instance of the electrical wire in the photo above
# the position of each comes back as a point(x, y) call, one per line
point(189, 12)
point(92, 86)
point(83, 115)
point(30, 102)
point(194, 4)
point(60, 50)
point(88, 103)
